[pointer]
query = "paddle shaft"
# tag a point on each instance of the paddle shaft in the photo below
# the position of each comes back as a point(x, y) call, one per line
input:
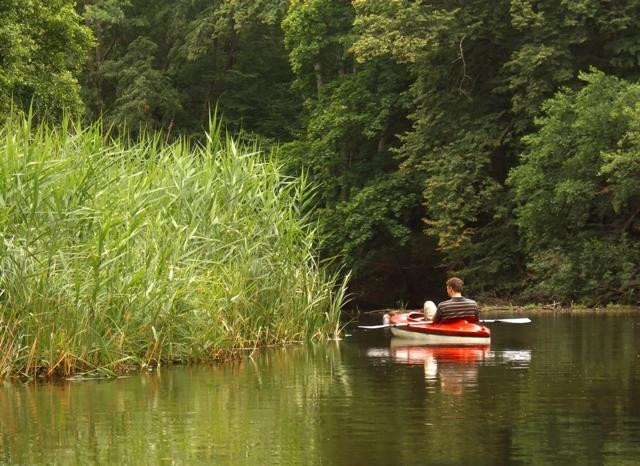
point(403, 324)
point(517, 320)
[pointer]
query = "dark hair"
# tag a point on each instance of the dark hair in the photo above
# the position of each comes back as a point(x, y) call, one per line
point(455, 284)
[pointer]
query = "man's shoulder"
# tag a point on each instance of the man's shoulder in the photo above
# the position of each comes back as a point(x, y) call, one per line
point(457, 301)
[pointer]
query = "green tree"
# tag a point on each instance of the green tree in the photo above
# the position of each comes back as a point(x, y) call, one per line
point(461, 140)
point(169, 64)
point(480, 73)
point(578, 194)
point(43, 46)
point(368, 208)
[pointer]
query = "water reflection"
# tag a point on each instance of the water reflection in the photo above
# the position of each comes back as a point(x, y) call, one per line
point(453, 368)
point(253, 411)
point(563, 390)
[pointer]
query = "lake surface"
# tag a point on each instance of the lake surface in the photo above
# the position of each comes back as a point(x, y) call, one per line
point(564, 389)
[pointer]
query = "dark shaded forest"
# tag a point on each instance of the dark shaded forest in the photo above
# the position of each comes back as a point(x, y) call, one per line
point(498, 141)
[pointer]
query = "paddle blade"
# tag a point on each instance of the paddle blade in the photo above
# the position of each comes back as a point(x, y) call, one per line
point(371, 327)
point(517, 320)
point(401, 324)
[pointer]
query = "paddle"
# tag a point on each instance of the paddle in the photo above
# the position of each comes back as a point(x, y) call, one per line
point(403, 324)
point(518, 320)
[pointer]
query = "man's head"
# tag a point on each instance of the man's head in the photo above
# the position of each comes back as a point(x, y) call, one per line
point(455, 285)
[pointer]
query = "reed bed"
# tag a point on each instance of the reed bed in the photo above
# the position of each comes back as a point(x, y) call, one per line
point(117, 255)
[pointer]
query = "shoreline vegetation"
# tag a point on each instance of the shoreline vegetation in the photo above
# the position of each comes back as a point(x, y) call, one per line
point(118, 255)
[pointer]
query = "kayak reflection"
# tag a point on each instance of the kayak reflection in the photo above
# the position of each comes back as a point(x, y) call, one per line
point(454, 367)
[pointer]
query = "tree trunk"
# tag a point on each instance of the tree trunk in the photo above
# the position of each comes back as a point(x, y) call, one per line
point(345, 164)
point(317, 68)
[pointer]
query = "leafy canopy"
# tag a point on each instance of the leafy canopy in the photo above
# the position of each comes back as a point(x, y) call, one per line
point(43, 47)
point(578, 196)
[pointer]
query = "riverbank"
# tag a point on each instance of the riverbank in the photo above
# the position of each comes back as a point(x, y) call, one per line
point(117, 254)
point(555, 307)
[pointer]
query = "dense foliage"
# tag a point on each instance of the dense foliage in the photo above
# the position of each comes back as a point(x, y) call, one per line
point(482, 71)
point(115, 254)
point(43, 47)
point(353, 113)
point(578, 193)
point(166, 64)
point(442, 136)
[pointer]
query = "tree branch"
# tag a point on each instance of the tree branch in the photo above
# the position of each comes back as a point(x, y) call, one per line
point(627, 224)
point(465, 76)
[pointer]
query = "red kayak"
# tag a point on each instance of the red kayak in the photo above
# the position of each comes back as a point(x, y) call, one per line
point(415, 326)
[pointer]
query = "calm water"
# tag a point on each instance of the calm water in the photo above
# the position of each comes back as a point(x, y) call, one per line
point(562, 390)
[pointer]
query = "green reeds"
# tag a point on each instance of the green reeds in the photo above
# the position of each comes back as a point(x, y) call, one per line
point(116, 254)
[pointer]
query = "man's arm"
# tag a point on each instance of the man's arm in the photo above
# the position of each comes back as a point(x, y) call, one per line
point(438, 315)
point(476, 311)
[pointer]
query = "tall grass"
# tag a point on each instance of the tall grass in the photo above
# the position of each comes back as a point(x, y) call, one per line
point(118, 254)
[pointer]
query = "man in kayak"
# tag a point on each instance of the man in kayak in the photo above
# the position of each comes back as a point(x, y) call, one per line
point(457, 307)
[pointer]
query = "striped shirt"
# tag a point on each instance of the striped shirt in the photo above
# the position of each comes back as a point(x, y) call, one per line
point(457, 308)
